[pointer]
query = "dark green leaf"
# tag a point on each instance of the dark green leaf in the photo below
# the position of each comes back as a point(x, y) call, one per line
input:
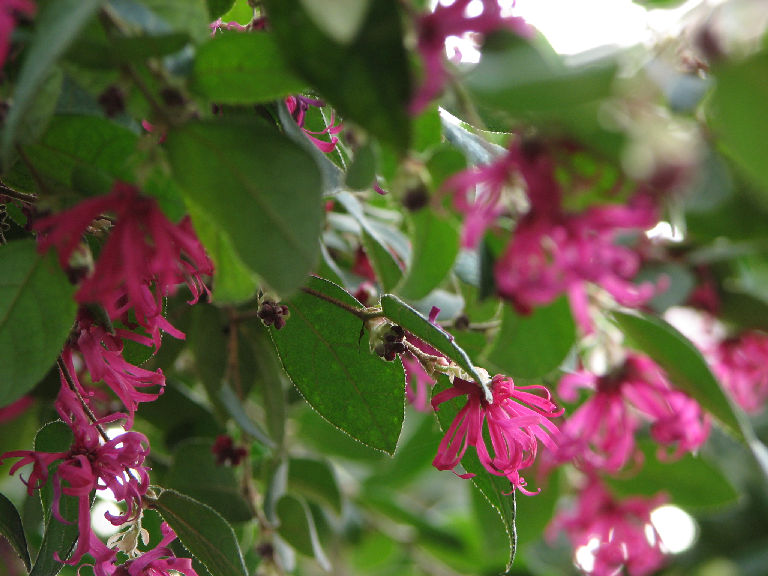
point(680, 478)
point(74, 144)
point(272, 207)
point(409, 319)
point(194, 472)
point(58, 537)
point(217, 8)
point(541, 84)
point(314, 480)
point(116, 51)
point(738, 117)
point(234, 406)
point(13, 530)
point(37, 311)
point(362, 171)
point(188, 16)
point(365, 77)
point(321, 344)
point(497, 491)
point(534, 345)
point(208, 343)
point(243, 69)
point(297, 527)
point(203, 532)
point(56, 27)
point(435, 247)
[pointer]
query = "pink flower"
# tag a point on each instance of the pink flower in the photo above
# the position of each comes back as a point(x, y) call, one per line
point(298, 107)
point(434, 28)
point(619, 534)
point(600, 434)
point(103, 357)
point(417, 382)
point(90, 464)
point(9, 10)
point(741, 363)
point(516, 421)
point(143, 260)
point(15, 409)
point(160, 561)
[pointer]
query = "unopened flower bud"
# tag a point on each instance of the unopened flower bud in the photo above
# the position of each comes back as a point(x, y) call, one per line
point(273, 314)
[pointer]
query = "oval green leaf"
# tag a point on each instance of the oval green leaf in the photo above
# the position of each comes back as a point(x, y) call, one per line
point(243, 69)
point(297, 527)
point(12, 528)
point(328, 360)
point(203, 532)
point(260, 188)
point(37, 311)
point(532, 346)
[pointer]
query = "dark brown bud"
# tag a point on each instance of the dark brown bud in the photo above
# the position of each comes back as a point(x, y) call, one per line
point(112, 101)
point(416, 198)
point(273, 314)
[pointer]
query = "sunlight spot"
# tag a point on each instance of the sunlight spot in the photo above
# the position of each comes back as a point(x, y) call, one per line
point(676, 528)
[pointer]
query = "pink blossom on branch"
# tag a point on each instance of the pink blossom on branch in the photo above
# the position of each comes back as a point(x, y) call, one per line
point(741, 364)
point(9, 10)
point(91, 463)
point(433, 30)
point(600, 434)
point(144, 258)
point(298, 107)
point(618, 533)
point(519, 418)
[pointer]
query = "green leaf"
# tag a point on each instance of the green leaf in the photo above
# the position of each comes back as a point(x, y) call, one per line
point(13, 530)
point(234, 406)
point(362, 171)
point(737, 115)
point(217, 8)
point(37, 311)
point(322, 344)
point(234, 282)
point(297, 527)
point(189, 16)
point(435, 247)
point(203, 532)
point(542, 82)
point(74, 144)
point(112, 52)
point(366, 78)
point(243, 69)
point(497, 490)
point(534, 345)
point(194, 472)
point(260, 188)
point(315, 480)
point(410, 320)
point(56, 27)
point(680, 478)
point(58, 537)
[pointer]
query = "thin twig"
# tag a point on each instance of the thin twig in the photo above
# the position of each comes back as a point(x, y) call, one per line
point(362, 313)
point(73, 387)
point(16, 195)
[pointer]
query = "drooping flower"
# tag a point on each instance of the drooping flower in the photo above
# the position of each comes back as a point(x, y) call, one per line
point(226, 452)
point(103, 357)
point(454, 20)
point(600, 434)
point(9, 10)
point(519, 418)
point(144, 258)
point(91, 463)
point(298, 107)
point(552, 251)
point(741, 364)
point(160, 561)
point(617, 534)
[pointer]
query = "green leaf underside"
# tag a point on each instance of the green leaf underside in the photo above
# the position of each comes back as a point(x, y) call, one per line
point(297, 527)
point(203, 532)
point(243, 69)
point(413, 322)
point(366, 80)
point(680, 478)
point(57, 27)
point(534, 345)
point(435, 247)
point(328, 360)
point(37, 311)
point(315, 480)
point(194, 472)
point(58, 537)
point(497, 490)
point(260, 188)
point(13, 530)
